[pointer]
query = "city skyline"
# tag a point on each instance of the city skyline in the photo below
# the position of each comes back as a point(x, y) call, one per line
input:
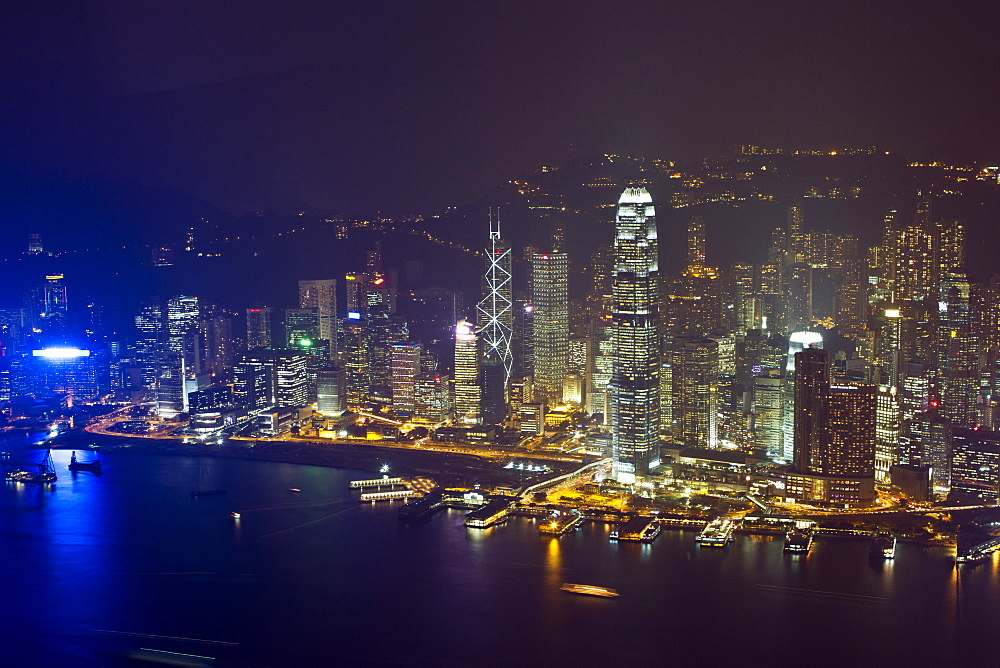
point(279, 384)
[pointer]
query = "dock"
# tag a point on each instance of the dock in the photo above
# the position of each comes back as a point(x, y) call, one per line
point(559, 523)
point(975, 546)
point(718, 533)
point(494, 512)
point(640, 528)
point(378, 482)
point(423, 507)
point(392, 495)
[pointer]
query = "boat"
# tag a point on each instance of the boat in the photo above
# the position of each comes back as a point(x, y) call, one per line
point(294, 490)
point(208, 492)
point(798, 541)
point(236, 516)
point(44, 473)
point(76, 465)
point(717, 533)
point(883, 546)
point(589, 590)
point(642, 529)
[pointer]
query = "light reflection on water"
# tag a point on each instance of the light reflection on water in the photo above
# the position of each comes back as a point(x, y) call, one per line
point(132, 551)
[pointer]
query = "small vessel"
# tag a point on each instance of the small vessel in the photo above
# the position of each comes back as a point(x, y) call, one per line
point(208, 492)
point(883, 546)
point(589, 590)
point(798, 541)
point(77, 465)
point(294, 490)
point(236, 516)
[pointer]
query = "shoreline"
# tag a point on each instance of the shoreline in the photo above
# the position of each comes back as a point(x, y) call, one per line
point(447, 469)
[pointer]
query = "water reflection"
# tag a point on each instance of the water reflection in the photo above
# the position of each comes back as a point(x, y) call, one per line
point(553, 563)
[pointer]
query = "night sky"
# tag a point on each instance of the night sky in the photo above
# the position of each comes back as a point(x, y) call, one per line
point(406, 106)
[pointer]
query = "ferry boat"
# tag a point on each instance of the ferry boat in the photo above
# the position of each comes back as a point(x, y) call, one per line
point(294, 490)
point(76, 465)
point(717, 533)
point(642, 529)
point(883, 546)
point(589, 590)
point(798, 541)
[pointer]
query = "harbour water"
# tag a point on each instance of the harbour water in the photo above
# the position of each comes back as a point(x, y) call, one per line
point(101, 567)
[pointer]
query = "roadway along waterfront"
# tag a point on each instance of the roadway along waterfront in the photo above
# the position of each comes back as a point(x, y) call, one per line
point(100, 567)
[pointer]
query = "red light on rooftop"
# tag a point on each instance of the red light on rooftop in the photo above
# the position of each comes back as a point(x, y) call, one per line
point(255, 310)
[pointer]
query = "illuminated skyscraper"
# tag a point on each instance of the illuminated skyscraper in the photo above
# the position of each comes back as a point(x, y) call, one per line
point(466, 372)
point(797, 239)
point(149, 322)
point(183, 316)
point(258, 327)
point(496, 315)
point(301, 327)
point(694, 398)
point(405, 369)
point(550, 288)
point(957, 350)
point(847, 432)
point(331, 390)
point(888, 421)
point(768, 413)
point(355, 349)
point(696, 246)
point(322, 296)
point(635, 404)
point(812, 378)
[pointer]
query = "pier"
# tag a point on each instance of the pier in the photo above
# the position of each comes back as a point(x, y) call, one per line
point(387, 496)
point(494, 512)
point(559, 523)
point(378, 482)
point(642, 529)
point(718, 533)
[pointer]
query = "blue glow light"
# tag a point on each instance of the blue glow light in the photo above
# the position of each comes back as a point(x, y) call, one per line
point(60, 353)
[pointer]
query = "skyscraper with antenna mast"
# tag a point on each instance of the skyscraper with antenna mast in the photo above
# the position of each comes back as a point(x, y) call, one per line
point(496, 325)
point(496, 315)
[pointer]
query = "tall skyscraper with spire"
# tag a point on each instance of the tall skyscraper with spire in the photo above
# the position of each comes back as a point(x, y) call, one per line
point(496, 315)
point(496, 327)
point(635, 401)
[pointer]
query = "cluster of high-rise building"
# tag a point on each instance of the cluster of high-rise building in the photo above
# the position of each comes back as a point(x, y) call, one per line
point(845, 368)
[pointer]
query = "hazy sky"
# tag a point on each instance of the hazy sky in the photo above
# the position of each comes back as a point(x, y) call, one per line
point(418, 104)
